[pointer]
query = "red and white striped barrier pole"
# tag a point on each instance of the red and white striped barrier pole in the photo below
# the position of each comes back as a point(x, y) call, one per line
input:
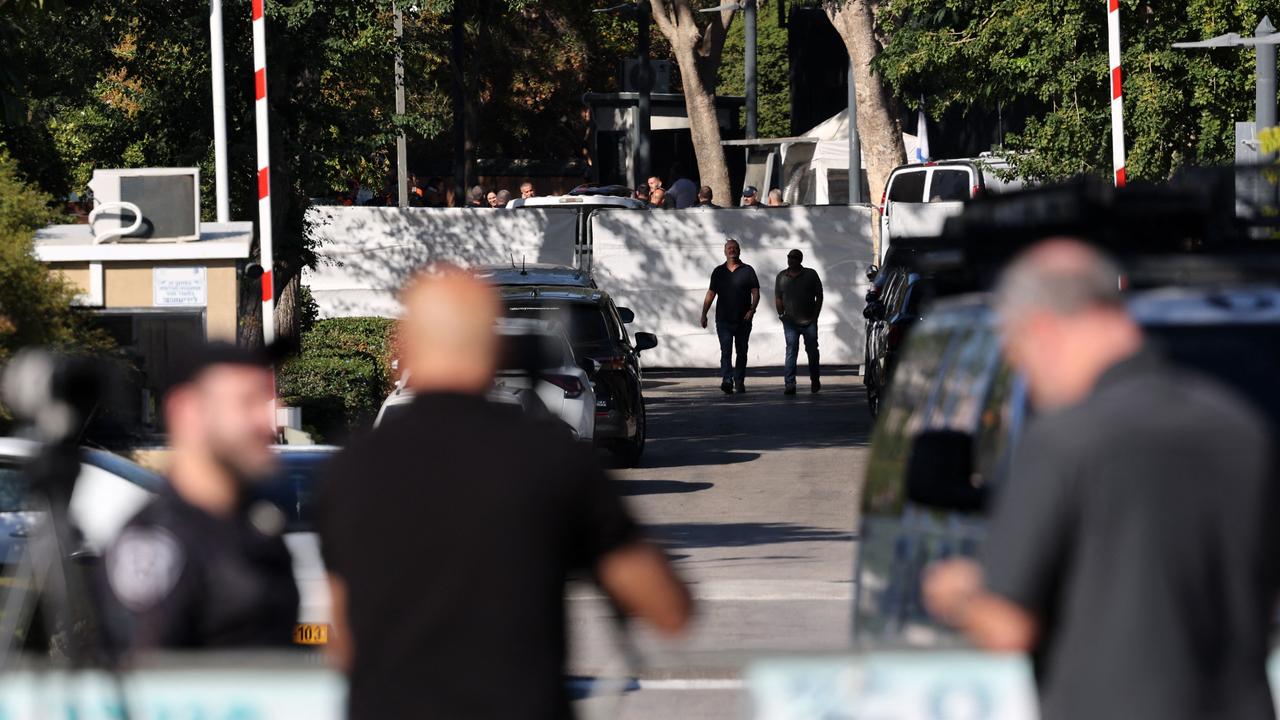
point(264, 172)
point(1117, 98)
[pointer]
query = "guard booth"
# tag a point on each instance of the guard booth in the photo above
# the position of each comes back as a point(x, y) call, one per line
point(157, 279)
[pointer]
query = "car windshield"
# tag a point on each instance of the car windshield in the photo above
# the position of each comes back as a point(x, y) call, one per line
point(585, 321)
point(1245, 357)
point(294, 487)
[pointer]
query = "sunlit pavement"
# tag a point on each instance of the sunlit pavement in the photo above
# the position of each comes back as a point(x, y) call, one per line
point(755, 497)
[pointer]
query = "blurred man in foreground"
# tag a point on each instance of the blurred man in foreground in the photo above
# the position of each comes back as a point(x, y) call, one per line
point(448, 535)
point(1131, 550)
point(198, 567)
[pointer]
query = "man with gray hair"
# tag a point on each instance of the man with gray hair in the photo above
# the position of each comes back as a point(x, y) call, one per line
point(1130, 549)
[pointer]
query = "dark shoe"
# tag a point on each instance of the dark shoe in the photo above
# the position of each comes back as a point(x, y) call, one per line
point(741, 389)
point(727, 388)
point(790, 390)
point(816, 386)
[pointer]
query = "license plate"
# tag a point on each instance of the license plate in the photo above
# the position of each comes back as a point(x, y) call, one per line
point(311, 634)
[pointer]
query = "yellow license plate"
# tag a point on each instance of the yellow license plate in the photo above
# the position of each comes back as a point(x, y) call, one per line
point(311, 634)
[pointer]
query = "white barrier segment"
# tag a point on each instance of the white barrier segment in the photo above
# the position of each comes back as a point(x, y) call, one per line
point(367, 253)
point(659, 264)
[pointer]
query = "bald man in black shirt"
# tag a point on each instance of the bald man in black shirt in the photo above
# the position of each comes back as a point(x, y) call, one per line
point(449, 533)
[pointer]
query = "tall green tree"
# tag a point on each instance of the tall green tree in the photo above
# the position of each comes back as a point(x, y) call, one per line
point(1180, 106)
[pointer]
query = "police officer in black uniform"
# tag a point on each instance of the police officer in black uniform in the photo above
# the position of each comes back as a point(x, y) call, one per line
point(201, 566)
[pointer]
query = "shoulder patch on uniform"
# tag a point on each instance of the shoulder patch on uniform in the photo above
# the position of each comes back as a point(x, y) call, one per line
point(144, 566)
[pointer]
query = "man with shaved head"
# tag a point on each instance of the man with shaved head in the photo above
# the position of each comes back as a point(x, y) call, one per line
point(1131, 549)
point(448, 534)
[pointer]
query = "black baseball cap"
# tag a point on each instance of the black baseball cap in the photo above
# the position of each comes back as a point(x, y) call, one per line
point(749, 191)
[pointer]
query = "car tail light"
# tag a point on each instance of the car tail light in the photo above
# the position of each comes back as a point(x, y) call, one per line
point(974, 192)
point(894, 338)
point(613, 363)
point(884, 195)
point(571, 385)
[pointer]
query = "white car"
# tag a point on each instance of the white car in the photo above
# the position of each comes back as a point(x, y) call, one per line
point(559, 387)
point(107, 494)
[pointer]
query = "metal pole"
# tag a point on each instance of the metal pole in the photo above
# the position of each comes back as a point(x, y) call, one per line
point(643, 107)
point(855, 144)
point(1265, 101)
point(264, 172)
point(457, 34)
point(402, 173)
point(217, 65)
point(749, 28)
point(1117, 97)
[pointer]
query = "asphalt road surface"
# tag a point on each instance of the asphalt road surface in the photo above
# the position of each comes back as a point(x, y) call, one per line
point(755, 497)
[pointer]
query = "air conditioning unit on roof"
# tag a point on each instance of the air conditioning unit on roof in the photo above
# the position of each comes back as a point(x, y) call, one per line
point(145, 205)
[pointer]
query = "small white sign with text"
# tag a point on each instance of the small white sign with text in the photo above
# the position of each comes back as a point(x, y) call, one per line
point(179, 287)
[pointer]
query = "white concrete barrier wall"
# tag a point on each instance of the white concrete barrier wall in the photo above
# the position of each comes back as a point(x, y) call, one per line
point(657, 263)
point(367, 253)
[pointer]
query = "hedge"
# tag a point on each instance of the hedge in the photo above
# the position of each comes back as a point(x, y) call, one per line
point(341, 376)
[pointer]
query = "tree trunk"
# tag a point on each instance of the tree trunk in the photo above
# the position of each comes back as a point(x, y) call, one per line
point(878, 127)
point(704, 127)
point(698, 53)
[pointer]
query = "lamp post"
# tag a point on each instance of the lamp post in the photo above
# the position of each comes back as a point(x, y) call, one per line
point(1265, 38)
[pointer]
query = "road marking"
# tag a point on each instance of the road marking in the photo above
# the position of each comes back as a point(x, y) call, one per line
point(601, 684)
point(748, 590)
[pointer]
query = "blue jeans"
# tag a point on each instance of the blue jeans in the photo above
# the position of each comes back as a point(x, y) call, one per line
point(733, 336)
point(793, 332)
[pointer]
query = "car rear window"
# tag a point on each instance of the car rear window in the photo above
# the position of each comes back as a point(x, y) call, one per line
point(949, 185)
point(530, 352)
point(585, 321)
point(13, 490)
point(908, 187)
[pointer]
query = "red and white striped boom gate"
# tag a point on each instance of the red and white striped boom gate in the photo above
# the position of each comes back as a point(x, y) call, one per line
point(1117, 98)
point(264, 172)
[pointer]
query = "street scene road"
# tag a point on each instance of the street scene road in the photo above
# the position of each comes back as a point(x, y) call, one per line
point(754, 496)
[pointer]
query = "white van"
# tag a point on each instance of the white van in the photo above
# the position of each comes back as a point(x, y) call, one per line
point(934, 191)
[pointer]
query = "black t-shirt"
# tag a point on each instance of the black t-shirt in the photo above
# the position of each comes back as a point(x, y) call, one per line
point(733, 292)
point(182, 578)
point(1138, 526)
point(801, 295)
point(454, 528)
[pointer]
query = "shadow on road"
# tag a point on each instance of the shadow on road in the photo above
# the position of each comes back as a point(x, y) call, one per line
point(706, 535)
point(659, 487)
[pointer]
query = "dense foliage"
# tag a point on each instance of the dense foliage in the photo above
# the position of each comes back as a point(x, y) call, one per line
point(341, 376)
point(1051, 58)
point(773, 77)
point(35, 303)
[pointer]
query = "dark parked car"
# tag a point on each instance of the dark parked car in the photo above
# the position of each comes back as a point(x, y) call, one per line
point(609, 354)
point(956, 410)
point(894, 304)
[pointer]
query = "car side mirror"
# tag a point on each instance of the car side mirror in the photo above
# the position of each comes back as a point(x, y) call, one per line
point(940, 472)
point(626, 316)
point(872, 271)
point(874, 310)
point(645, 341)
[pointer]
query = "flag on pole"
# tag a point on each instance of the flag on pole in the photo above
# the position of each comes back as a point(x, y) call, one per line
point(922, 135)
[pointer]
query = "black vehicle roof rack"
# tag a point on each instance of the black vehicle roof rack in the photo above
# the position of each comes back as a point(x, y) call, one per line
point(1182, 232)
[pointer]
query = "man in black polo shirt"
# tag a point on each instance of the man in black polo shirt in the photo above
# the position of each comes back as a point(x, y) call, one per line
point(448, 534)
point(1133, 547)
point(797, 295)
point(736, 285)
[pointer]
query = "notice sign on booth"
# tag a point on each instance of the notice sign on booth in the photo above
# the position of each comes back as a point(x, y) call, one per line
point(179, 287)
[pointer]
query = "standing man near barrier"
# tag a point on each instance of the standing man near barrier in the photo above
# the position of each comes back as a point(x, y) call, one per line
point(1133, 547)
point(527, 191)
point(449, 532)
point(797, 295)
point(738, 288)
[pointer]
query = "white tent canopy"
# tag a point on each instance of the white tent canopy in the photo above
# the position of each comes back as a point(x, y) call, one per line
point(817, 172)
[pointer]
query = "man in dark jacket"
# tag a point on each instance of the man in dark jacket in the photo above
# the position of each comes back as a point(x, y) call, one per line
point(797, 295)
